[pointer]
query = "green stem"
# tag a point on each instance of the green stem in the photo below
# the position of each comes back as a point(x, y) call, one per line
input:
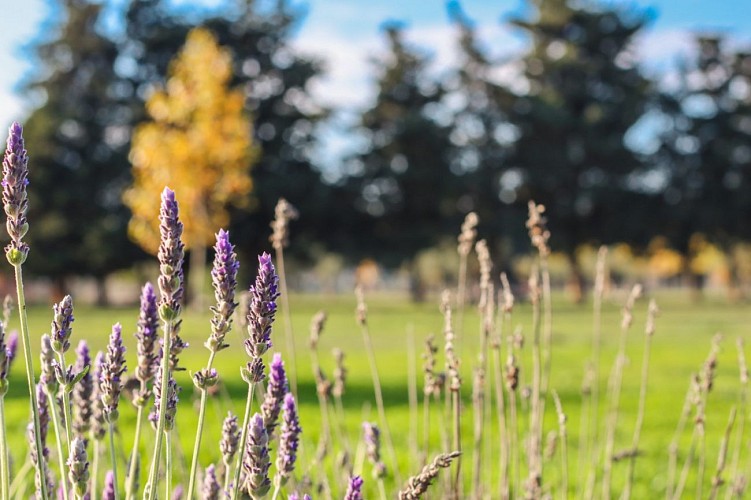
point(66, 406)
point(4, 459)
point(290, 337)
point(95, 470)
point(59, 440)
point(30, 372)
point(113, 456)
point(154, 473)
point(241, 446)
point(131, 479)
point(20, 479)
point(199, 432)
point(168, 468)
point(227, 474)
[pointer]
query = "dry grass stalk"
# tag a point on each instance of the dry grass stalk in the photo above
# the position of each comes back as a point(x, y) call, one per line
point(481, 403)
point(466, 241)
point(506, 308)
point(592, 414)
point(515, 343)
point(454, 387)
point(717, 480)
point(615, 390)
point(564, 443)
point(534, 453)
point(418, 485)
point(742, 398)
point(362, 320)
point(412, 393)
point(649, 331)
point(284, 212)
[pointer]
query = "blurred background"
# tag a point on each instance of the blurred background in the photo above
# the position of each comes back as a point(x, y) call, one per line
point(384, 123)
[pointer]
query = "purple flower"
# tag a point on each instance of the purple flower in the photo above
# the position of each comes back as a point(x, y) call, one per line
point(177, 493)
point(262, 307)
point(256, 462)
point(47, 357)
point(78, 466)
point(98, 427)
point(44, 422)
point(354, 489)
point(147, 332)
point(82, 392)
point(230, 439)
point(172, 399)
point(275, 391)
point(288, 441)
point(210, 488)
point(12, 347)
point(15, 199)
point(110, 380)
point(5, 359)
point(61, 321)
point(171, 254)
point(372, 438)
point(224, 279)
point(109, 486)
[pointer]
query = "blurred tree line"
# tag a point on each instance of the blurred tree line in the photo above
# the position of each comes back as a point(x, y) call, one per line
point(555, 124)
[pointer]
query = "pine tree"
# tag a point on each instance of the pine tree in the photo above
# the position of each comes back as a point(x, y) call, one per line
point(199, 143)
point(79, 164)
point(403, 181)
point(583, 94)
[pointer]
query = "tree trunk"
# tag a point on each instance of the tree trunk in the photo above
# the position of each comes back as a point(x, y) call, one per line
point(575, 281)
point(102, 299)
point(735, 288)
point(196, 276)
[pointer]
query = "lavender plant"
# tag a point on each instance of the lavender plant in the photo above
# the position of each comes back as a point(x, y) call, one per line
point(260, 319)
point(147, 333)
point(110, 387)
point(256, 461)
point(289, 440)
point(224, 280)
point(78, 467)
point(16, 206)
point(6, 357)
point(171, 283)
point(49, 381)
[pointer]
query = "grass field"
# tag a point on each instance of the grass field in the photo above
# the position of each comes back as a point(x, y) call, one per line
point(681, 343)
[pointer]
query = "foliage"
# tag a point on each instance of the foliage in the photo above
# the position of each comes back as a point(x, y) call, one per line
point(79, 145)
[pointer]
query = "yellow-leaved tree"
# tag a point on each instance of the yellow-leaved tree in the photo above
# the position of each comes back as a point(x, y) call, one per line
point(199, 143)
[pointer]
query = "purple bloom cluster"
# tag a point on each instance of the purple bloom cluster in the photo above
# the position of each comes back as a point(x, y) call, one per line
point(6, 357)
point(82, 391)
point(61, 324)
point(110, 380)
point(15, 199)
point(275, 391)
point(224, 279)
point(78, 466)
point(256, 461)
point(230, 439)
point(47, 357)
point(172, 391)
point(372, 438)
point(44, 422)
point(354, 489)
point(289, 440)
point(98, 422)
point(210, 488)
point(262, 309)
point(147, 333)
point(109, 486)
point(171, 254)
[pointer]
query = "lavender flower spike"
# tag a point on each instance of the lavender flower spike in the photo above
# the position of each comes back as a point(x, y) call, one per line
point(224, 279)
point(109, 486)
point(171, 254)
point(44, 422)
point(147, 333)
point(354, 489)
point(210, 488)
point(172, 391)
point(230, 439)
point(5, 359)
point(12, 347)
point(372, 438)
point(256, 462)
point(98, 422)
point(82, 391)
point(15, 198)
point(288, 441)
point(78, 466)
point(110, 382)
point(261, 314)
point(61, 321)
point(275, 391)
point(47, 357)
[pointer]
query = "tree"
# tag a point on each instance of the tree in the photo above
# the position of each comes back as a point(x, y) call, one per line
point(79, 165)
point(402, 182)
point(198, 142)
point(582, 93)
point(275, 81)
point(706, 149)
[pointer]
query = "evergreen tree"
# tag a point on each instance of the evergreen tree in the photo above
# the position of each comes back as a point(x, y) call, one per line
point(403, 181)
point(78, 136)
point(583, 93)
point(707, 147)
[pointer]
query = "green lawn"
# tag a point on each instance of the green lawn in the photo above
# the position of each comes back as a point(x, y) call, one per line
point(684, 332)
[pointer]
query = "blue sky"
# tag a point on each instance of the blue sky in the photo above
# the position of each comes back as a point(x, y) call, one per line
point(346, 33)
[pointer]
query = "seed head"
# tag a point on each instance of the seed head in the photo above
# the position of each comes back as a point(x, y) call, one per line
point(283, 213)
point(468, 234)
point(372, 438)
point(418, 485)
